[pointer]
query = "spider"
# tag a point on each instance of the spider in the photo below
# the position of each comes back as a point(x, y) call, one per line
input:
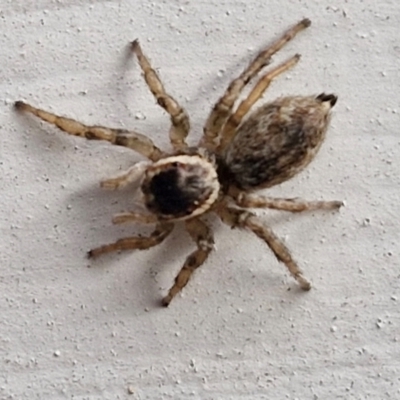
point(239, 153)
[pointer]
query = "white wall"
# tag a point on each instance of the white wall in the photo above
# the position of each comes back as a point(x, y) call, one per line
point(236, 332)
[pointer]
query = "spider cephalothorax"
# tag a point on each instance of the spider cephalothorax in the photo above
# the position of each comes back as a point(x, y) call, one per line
point(237, 154)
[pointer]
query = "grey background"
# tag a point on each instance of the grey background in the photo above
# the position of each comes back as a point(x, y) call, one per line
point(237, 331)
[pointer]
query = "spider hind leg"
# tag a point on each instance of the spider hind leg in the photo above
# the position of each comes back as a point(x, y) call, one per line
point(224, 106)
point(234, 120)
point(236, 217)
point(292, 205)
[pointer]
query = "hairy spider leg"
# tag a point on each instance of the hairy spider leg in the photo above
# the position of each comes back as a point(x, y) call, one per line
point(179, 117)
point(291, 205)
point(133, 140)
point(161, 231)
point(223, 108)
point(236, 217)
point(234, 120)
point(204, 239)
point(137, 217)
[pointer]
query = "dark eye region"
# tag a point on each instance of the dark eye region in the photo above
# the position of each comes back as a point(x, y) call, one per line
point(174, 194)
point(169, 198)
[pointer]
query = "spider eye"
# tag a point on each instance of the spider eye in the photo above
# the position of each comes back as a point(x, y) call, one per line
point(180, 187)
point(172, 194)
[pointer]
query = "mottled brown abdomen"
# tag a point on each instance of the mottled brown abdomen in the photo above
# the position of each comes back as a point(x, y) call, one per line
point(278, 140)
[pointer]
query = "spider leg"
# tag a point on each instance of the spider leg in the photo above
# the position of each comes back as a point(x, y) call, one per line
point(293, 205)
point(225, 104)
point(133, 174)
point(136, 217)
point(236, 118)
point(236, 217)
point(179, 118)
point(161, 231)
point(203, 237)
point(135, 141)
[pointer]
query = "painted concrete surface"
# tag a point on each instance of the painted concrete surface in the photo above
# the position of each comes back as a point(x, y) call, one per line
point(241, 329)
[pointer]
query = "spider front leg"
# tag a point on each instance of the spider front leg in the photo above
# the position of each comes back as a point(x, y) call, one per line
point(161, 231)
point(223, 108)
point(135, 141)
point(236, 217)
point(204, 239)
point(179, 118)
point(291, 205)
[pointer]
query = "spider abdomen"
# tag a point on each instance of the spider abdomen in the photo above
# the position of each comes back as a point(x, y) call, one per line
point(180, 187)
point(278, 140)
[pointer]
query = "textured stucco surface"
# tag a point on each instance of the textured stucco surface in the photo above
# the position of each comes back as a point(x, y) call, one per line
point(236, 332)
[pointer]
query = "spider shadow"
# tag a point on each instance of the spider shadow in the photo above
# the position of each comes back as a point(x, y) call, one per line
point(125, 83)
point(89, 204)
point(154, 270)
point(266, 269)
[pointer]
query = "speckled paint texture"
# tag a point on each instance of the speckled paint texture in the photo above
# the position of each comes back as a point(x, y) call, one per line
point(237, 331)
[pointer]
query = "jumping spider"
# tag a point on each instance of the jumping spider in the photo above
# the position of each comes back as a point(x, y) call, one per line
point(235, 157)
